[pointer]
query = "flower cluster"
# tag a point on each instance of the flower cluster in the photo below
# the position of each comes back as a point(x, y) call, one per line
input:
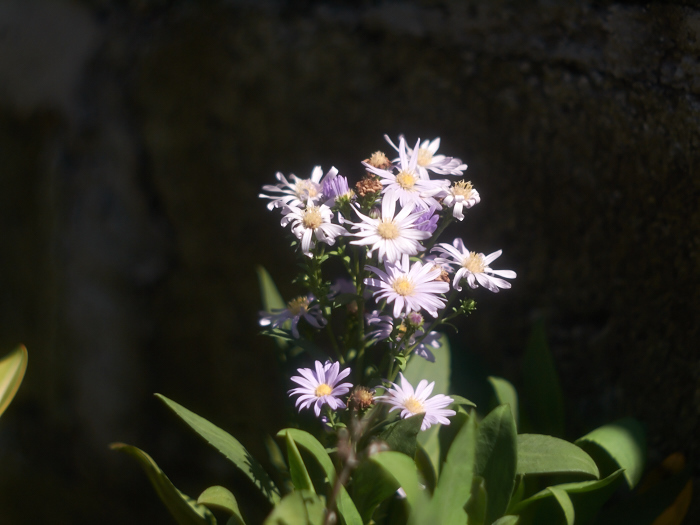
point(384, 232)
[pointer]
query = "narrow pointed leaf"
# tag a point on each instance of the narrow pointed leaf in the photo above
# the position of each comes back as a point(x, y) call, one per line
point(184, 509)
point(565, 503)
point(229, 447)
point(12, 369)
point(297, 470)
point(271, 298)
point(346, 507)
point(301, 507)
point(625, 442)
point(507, 520)
point(505, 394)
point(220, 498)
point(462, 401)
point(538, 454)
point(497, 458)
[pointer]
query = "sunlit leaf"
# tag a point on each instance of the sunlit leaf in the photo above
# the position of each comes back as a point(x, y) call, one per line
point(403, 470)
point(229, 447)
point(624, 441)
point(426, 468)
point(565, 503)
point(301, 507)
point(507, 520)
point(220, 498)
point(541, 388)
point(184, 509)
point(297, 470)
point(346, 507)
point(505, 394)
point(401, 435)
point(497, 458)
point(538, 454)
point(12, 368)
point(271, 298)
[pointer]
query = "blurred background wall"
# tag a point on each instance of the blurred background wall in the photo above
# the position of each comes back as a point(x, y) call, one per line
point(135, 136)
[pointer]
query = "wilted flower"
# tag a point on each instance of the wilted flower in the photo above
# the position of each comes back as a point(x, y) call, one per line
point(321, 386)
point(412, 402)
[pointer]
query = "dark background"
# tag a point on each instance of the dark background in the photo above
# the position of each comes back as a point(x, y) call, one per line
point(135, 136)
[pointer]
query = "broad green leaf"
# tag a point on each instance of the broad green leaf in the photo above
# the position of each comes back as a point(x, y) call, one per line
point(229, 447)
point(478, 502)
point(565, 503)
point(538, 454)
point(12, 368)
point(271, 298)
point(403, 470)
point(586, 497)
point(346, 507)
point(426, 468)
point(447, 433)
point(497, 458)
point(401, 435)
point(505, 394)
point(220, 498)
point(439, 371)
point(371, 486)
point(507, 520)
point(541, 388)
point(454, 486)
point(184, 509)
point(624, 441)
point(297, 470)
point(301, 507)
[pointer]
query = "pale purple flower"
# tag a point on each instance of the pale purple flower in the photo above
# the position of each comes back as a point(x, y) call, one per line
point(473, 266)
point(412, 402)
point(320, 386)
point(407, 186)
point(297, 192)
point(392, 236)
point(428, 160)
point(312, 222)
point(335, 186)
point(411, 288)
point(379, 327)
point(295, 310)
point(427, 222)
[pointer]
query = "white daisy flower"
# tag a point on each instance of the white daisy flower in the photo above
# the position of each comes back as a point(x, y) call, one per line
point(392, 236)
point(408, 187)
point(411, 288)
point(412, 402)
point(473, 266)
point(461, 195)
point(295, 310)
point(381, 325)
point(297, 192)
point(320, 387)
point(312, 222)
point(427, 160)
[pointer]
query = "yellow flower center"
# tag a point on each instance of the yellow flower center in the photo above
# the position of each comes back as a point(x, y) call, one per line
point(462, 188)
point(414, 406)
point(406, 180)
point(298, 306)
point(323, 390)
point(424, 157)
point(306, 189)
point(474, 263)
point(403, 286)
point(312, 218)
point(388, 230)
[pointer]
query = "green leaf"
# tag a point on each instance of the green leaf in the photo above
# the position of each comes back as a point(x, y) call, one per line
point(371, 485)
point(183, 508)
point(346, 507)
point(454, 486)
point(439, 371)
point(301, 507)
point(541, 388)
point(271, 298)
point(229, 447)
point(478, 502)
point(586, 497)
point(426, 468)
point(538, 454)
point(497, 458)
point(507, 520)
point(297, 470)
point(565, 503)
point(624, 441)
point(403, 470)
point(401, 435)
point(505, 394)
point(220, 498)
point(12, 369)
point(461, 401)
